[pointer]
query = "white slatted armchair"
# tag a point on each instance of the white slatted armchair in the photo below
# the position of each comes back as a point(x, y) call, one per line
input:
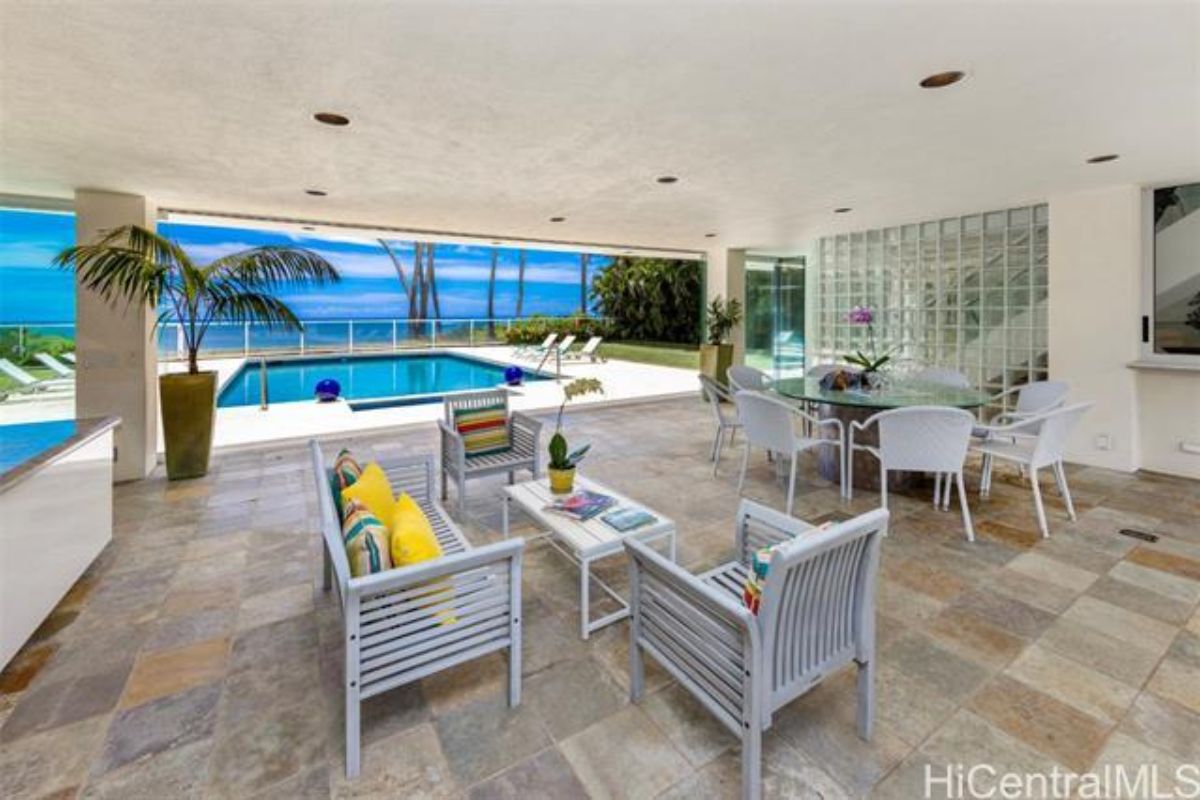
point(404, 624)
point(817, 615)
point(524, 452)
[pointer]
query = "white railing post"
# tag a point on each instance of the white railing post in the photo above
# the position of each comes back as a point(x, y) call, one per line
point(246, 339)
point(393, 335)
point(432, 334)
point(21, 341)
point(263, 402)
point(179, 340)
point(350, 335)
point(470, 333)
point(302, 341)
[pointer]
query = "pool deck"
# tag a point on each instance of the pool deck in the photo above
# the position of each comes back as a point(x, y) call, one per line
point(624, 382)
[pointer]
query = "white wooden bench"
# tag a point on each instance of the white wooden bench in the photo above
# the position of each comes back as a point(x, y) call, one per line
point(405, 624)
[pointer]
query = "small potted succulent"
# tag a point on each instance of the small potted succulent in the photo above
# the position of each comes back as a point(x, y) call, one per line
point(563, 462)
point(716, 356)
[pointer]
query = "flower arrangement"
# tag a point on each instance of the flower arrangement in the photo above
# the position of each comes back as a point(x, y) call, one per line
point(862, 315)
point(563, 463)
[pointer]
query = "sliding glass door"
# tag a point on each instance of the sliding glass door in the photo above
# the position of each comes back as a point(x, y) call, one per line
point(775, 315)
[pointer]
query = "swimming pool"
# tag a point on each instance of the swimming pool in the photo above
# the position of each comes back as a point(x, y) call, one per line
point(375, 381)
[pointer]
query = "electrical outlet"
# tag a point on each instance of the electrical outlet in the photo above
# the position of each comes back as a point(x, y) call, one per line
point(1103, 441)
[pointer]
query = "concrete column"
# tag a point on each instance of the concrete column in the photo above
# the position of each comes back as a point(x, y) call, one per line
point(727, 278)
point(117, 372)
point(1095, 317)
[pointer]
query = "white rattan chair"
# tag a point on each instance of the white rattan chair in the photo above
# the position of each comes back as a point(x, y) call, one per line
point(1013, 442)
point(816, 615)
point(715, 395)
point(407, 623)
point(523, 452)
point(1032, 399)
point(919, 439)
point(747, 379)
point(769, 423)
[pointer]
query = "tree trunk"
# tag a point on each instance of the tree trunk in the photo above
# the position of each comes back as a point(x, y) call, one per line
point(520, 283)
point(399, 266)
point(491, 312)
point(430, 253)
point(584, 260)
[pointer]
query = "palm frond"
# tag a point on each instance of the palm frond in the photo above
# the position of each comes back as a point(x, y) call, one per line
point(270, 266)
point(116, 273)
point(231, 301)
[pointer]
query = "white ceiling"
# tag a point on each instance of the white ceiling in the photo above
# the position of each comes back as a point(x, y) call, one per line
point(490, 118)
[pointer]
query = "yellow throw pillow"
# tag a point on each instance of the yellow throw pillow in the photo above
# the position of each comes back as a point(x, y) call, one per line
point(373, 491)
point(413, 540)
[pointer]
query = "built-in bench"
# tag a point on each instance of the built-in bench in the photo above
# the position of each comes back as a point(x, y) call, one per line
point(404, 624)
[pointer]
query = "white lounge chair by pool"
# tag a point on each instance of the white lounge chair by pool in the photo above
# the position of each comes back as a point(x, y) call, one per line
point(588, 351)
point(69, 357)
point(559, 350)
point(29, 382)
point(534, 351)
point(55, 366)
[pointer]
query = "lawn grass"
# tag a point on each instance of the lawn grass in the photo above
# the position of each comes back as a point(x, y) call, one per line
point(663, 355)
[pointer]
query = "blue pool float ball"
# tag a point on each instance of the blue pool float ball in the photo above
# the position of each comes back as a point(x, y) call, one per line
point(514, 375)
point(328, 390)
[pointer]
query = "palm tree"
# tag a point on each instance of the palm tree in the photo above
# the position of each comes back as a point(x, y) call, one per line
point(430, 252)
point(491, 312)
point(137, 265)
point(520, 282)
point(584, 260)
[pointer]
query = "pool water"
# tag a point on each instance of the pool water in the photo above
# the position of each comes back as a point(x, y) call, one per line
point(385, 380)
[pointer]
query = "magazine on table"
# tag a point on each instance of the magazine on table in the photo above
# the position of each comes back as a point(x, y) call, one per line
point(623, 520)
point(582, 505)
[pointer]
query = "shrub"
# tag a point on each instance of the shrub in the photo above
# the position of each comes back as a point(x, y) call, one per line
point(650, 299)
point(534, 330)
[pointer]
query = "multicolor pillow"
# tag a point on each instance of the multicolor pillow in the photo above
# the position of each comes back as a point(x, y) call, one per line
point(756, 578)
point(483, 430)
point(373, 490)
point(344, 473)
point(366, 540)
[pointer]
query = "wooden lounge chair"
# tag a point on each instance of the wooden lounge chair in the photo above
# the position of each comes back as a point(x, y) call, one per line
point(401, 625)
point(816, 615)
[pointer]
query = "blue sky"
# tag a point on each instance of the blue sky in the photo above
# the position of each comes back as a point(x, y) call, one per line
point(33, 291)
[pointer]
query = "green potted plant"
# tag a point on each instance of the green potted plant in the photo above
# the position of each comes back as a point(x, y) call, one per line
point(722, 316)
point(138, 266)
point(563, 462)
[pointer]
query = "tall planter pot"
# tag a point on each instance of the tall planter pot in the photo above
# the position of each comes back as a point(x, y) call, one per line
point(715, 360)
point(189, 408)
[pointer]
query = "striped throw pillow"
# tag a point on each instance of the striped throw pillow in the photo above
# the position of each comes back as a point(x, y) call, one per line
point(368, 543)
point(344, 473)
point(483, 430)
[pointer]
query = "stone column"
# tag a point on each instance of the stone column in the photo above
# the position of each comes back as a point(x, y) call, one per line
point(117, 371)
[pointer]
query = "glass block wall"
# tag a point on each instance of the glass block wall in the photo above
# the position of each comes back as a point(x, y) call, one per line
point(968, 293)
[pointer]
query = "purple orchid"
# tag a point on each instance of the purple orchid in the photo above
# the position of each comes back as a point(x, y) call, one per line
point(860, 315)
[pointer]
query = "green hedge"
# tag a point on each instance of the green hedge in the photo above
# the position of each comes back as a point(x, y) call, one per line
point(651, 299)
point(535, 329)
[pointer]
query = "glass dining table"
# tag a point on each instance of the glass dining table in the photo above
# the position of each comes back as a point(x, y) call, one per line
point(857, 405)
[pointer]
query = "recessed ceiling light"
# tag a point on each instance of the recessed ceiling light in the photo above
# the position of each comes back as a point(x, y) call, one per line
point(1104, 159)
point(329, 118)
point(843, 210)
point(667, 179)
point(710, 236)
point(558, 219)
point(940, 80)
point(497, 244)
point(309, 228)
point(316, 192)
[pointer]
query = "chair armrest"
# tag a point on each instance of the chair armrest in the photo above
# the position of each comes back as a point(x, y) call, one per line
point(454, 452)
point(525, 431)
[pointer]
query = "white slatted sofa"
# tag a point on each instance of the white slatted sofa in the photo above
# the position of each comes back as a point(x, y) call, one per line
point(407, 623)
point(816, 615)
point(524, 433)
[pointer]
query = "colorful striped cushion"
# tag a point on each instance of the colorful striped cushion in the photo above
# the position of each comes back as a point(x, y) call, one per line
point(368, 545)
point(344, 473)
point(484, 430)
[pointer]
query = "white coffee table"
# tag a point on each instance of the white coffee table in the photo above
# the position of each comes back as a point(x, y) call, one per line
point(585, 542)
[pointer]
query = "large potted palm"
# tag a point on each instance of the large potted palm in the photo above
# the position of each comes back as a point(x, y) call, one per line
point(138, 266)
point(717, 354)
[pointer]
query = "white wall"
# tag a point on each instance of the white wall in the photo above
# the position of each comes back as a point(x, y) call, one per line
point(1095, 313)
point(117, 370)
point(1098, 259)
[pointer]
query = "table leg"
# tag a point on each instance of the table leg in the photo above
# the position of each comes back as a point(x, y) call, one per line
point(504, 516)
point(585, 574)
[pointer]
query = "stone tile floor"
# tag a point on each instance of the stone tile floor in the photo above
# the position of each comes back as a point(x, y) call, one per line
point(200, 658)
